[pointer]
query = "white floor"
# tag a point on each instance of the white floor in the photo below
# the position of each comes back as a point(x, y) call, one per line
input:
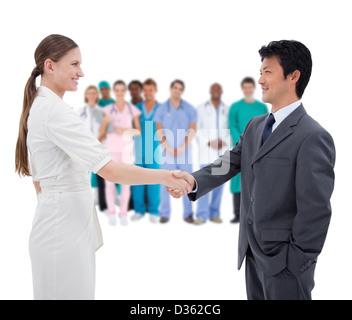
point(171, 261)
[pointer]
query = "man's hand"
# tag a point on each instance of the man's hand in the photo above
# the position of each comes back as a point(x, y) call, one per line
point(179, 186)
point(181, 175)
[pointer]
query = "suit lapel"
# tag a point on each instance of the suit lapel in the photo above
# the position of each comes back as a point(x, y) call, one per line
point(281, 132)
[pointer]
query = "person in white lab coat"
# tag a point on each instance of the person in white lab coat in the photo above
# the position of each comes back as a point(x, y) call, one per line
point(65, 232)
point(93, 118)
point(213, 137)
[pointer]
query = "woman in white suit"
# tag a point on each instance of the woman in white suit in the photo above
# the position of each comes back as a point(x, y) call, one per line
point(65, 232)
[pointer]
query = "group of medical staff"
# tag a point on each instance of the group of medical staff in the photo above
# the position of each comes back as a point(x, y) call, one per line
point(159, 135)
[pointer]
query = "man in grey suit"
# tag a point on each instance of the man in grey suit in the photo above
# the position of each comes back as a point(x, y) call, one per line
point(287, 160)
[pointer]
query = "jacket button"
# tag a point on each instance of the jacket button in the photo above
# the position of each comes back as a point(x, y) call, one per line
point(301, 269)
point(249, 221)
point(252, 199)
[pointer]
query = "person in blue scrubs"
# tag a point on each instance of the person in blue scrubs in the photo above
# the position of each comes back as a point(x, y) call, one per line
point(147, 155)
point(135, 87)
point(176, 124)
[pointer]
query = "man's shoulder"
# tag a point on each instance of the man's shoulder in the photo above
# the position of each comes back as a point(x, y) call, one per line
point(237, 104)
point(163, 104)
point(138, 105)
point(258, 119)
point(188, 105)
point(310, 126)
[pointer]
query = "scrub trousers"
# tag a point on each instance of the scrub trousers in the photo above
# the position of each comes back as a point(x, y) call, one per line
point(153, 194)
point(110, 191)
point(165, 209)
point(206, 209)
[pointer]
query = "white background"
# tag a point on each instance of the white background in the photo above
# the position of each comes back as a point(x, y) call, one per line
point(200, 42)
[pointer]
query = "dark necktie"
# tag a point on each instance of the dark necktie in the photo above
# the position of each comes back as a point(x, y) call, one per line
point(268, 127)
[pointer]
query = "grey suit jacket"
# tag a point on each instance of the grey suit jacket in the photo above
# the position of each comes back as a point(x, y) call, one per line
point(286, 187)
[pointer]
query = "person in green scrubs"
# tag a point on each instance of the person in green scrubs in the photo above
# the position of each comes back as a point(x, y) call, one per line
point(105, 93)
point(239, 115)
point(105, 100)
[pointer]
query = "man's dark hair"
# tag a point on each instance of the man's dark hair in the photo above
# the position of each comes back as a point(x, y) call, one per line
point(119, 82)
point(179, 82)
point(135, 82)
point(248, 80)
point(292, 55)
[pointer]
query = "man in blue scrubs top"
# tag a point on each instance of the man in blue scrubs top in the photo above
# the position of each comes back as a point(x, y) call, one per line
point(176, 124)
point(147, 155)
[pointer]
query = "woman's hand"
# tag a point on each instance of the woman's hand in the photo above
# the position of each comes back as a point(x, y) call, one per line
point(181, 175)
point(180, 186)
point(132, 132)
point(119, 130)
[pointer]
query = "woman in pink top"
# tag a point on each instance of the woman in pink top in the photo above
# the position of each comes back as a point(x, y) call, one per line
point(125, 122)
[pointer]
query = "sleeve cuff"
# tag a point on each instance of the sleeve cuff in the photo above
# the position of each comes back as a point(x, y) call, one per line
point(101, 164)
point(195, 189)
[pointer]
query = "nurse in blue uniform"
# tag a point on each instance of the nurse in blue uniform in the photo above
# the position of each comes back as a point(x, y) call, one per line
point(147, 155)
point(176, 124)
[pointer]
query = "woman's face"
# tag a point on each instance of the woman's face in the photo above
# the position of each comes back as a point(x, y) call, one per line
point(92, 96)
point(67, 71)
point(120, 91)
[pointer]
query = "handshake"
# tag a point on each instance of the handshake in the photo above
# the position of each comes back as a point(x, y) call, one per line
point(180, 183)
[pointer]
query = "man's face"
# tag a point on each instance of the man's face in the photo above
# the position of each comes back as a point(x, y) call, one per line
point(135, 91)
point(272, 80)
point(248, 90)
point(105, 93)
point(215, 91)
point(149, 92)
point(176, 91)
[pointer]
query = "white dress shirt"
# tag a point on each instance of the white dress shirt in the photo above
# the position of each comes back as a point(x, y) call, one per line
point(284, 112)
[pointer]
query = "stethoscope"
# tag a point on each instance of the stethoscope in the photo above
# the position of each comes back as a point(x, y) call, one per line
point(208, 106)
point(113, 109)
point(169, 107)
point(84, 113)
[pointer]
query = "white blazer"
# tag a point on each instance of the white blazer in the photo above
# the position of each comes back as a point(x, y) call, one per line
point(210, 127)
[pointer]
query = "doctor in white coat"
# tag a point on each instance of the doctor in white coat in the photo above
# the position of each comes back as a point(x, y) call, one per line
point(65, 231)
point(213, 136)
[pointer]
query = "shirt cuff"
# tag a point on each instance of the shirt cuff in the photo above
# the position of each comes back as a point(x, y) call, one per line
point(101, 164)
point(195, 189)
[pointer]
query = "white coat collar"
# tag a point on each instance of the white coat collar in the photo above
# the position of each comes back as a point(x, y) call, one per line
point(46, 92)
